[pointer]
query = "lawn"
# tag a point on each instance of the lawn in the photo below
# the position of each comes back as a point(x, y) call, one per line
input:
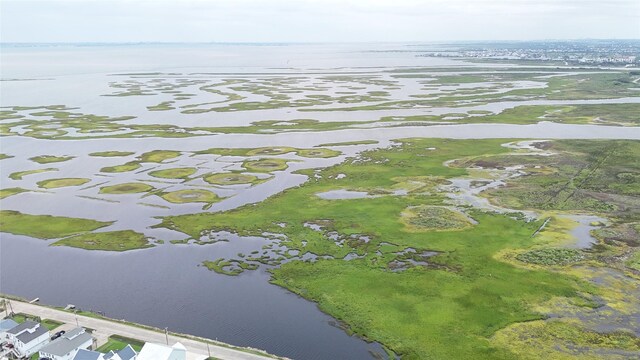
point(117, 343)
point(48, 323)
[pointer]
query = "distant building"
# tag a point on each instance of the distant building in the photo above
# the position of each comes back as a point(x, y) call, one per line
point(66, 346)
point(6, 325)
point(151, 351)
point(27, 338)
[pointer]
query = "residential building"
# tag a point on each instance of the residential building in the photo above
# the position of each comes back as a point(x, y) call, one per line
point(66, 346)
point(6, 325)
point(84, 354)
point(27, 338)
point(151, 351)
point(125, 354)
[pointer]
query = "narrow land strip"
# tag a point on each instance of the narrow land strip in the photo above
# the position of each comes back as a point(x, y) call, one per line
point(104, 328)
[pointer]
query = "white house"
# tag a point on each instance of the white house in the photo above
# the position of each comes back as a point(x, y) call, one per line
point(6, 325)
point(27, 338)
point(125, 354)
point(66, 346)
point(151, 351)
point(84, 354)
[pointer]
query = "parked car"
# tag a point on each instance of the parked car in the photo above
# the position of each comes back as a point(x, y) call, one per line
point(57, 335)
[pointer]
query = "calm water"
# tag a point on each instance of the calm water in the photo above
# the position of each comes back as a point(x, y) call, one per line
point(163, 286)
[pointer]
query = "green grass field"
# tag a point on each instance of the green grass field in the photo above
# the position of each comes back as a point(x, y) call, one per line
point(117, 343)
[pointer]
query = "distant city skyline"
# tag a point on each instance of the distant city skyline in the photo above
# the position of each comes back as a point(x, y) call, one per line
point(315, 21)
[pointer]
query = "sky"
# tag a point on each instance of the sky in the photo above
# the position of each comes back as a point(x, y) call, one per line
point(315, 20)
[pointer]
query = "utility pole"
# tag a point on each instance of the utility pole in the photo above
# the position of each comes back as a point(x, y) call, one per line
point(76, 314)
point(6, 309)
point(208, 350)
point(166, 334)
point(12, 313)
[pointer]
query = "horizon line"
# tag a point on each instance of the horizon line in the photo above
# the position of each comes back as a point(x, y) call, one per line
point(311, 42)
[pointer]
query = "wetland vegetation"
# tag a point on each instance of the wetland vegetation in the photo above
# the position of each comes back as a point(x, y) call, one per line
point(18, 175)
point(111, 153)
point(265, 165)
point(64, 182)
point(469, 97)
point(130, 166)
point(274, 150)
point(126, 188)
point(122, 240)
point(174, 173)
point(189, 196)
point(4, 193)
point(435, 248)
point(230, 179)
point(47, 159)
point(461, 266)
point(46, 226)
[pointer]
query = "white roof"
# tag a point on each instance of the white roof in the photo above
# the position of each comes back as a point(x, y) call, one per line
point(151, 351)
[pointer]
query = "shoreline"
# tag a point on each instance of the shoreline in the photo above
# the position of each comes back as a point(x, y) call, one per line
point(107, 327)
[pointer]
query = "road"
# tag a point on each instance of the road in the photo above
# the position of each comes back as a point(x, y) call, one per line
point(105, 328)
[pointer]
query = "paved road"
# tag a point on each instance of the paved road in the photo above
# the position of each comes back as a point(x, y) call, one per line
point(105, 328)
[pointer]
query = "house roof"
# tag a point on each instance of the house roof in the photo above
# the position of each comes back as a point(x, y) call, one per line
point(28, 336)
point(66, 343)
point(7, 324)
point(73, 333)
point(22, 327)
point(151, 351)
point(83, 354)
point(127, 353)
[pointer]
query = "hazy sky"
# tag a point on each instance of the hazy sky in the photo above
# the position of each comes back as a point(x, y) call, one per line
point(315, 20)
